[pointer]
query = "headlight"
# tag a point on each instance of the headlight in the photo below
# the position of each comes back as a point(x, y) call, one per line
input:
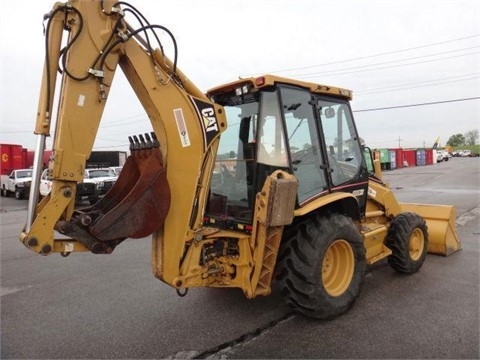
point(21, 184)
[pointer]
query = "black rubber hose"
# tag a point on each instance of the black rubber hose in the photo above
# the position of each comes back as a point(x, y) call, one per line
point(47, 54)
point(112, 46)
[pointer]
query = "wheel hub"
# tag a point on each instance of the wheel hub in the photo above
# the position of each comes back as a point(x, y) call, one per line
point(416, 244)
point(337, 267)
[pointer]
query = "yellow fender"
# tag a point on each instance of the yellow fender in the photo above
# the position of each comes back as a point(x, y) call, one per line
point(348, 203)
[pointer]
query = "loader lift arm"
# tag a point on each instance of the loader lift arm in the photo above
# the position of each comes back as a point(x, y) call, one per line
point(175, 162)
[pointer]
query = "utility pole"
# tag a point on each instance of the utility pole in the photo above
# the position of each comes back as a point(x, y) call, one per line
point(399, 142)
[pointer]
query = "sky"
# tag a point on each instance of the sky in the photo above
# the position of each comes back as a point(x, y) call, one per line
point(413, 66)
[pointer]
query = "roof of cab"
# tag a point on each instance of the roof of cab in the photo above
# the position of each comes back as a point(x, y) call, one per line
point(269, 80)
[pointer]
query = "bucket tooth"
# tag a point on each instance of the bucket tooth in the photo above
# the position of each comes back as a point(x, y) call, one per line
point(156, 144)
point(132, 144)
point(148, 141)
point(143, 144)
point(136, 145)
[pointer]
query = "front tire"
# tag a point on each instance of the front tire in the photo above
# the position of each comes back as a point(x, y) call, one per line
point(19, 194)
point(321, 266)
point(407, 237)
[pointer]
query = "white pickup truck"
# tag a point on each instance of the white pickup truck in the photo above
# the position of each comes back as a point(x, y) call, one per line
point(443, 155)
point(86, 190)
point(103, 177)
point(17, 183)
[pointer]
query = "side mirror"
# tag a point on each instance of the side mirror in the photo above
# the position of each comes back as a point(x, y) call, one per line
point(373, 164)
point(329, 113)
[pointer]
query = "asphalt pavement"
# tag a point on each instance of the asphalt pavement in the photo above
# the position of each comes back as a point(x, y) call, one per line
point(110, 306)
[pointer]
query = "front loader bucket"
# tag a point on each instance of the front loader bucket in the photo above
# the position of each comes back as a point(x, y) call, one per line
point(135, 206)
point(441, 222)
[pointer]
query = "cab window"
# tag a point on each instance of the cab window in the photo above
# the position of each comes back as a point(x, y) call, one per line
point(302, 135)
point(344, 154)
point(271, 149)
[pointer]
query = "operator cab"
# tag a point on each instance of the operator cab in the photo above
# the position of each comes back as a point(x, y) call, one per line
point(287, 126)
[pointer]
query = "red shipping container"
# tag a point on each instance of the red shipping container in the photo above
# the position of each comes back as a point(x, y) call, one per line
point(45, 159)
point(12, 157)
point(409, 157)
point(429, 156)
point(398, 157)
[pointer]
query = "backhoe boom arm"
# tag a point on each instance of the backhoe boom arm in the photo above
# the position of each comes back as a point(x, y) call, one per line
point(175, 161)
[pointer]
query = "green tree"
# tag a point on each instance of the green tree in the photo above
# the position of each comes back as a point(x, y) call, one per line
point(471, 137)
point(456, 140)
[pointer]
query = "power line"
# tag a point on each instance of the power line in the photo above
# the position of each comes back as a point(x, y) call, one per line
point(131, 119)
point(340, 72)
point(112, 146)
point(362, 110)
point(395, 61)
point(119, 122)
point(366, 57)
point(418, 85)
point(17, 131)
point(421, 104)
point(418, 82)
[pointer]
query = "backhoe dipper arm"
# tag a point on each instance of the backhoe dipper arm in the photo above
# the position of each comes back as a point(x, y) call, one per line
point(175, 161)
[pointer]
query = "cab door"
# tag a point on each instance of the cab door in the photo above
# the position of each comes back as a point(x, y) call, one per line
point(346, 169)
point(303, 142)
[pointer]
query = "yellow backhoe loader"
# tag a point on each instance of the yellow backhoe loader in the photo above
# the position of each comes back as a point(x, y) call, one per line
point(257, 180)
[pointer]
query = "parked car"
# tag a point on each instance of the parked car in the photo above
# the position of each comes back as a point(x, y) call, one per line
point(439, 157)
point(17, 183)
point(462, 153)
point(103, 178)
point(444, 154)
point(86, 190)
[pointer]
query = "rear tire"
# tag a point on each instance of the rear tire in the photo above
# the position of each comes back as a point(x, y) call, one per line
point(407, 237)
point(321, 266)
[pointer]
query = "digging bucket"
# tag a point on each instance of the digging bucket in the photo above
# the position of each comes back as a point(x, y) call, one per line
point(138, 202)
